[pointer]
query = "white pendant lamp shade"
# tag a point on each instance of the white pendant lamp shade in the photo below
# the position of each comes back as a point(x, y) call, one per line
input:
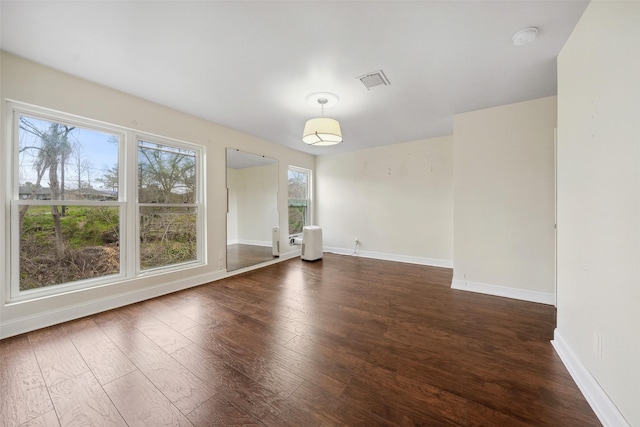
point(322, 131)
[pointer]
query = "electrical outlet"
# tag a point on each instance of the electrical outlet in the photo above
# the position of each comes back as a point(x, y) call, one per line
point(357, 241)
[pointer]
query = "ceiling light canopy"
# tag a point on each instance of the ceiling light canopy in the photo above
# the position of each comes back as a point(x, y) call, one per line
point(322, 131)
point(525, 36)
point(329, 99)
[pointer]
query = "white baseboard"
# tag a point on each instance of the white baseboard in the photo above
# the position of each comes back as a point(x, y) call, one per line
point(501, 291)
point(433, 262)
point(597, 398)
point(65, 314)
point(291, 254)
point(30, 323)
point(255, 242)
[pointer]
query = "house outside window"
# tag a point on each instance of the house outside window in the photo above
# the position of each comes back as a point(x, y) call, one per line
point(72, 210)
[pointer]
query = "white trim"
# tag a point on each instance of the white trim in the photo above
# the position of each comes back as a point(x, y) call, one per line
point(501, 291)
point(53, 317)
point(555, 216)
point(254, 242)
point(595, 395)
point(289, 255)
point(433, 262)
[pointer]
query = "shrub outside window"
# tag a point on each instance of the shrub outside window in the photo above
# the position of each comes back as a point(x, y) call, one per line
point(299, 199)
point(69, 208)
point(167, 210)
point(67, 214)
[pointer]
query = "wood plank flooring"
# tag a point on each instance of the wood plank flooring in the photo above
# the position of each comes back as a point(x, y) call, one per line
point(341, 341)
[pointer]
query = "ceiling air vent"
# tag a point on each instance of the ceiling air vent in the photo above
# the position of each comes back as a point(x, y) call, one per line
point(373, 79)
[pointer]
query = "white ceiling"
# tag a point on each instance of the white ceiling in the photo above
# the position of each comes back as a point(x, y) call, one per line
point(249, 65)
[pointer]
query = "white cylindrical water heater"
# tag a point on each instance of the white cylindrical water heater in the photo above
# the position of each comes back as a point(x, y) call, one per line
point(311, 243)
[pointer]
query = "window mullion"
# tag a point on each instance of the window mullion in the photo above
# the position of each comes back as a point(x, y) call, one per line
point(129, 182)
point(14, 229)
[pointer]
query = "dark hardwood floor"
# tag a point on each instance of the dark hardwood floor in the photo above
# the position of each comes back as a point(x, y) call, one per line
point(241, 255)
point(341, 341)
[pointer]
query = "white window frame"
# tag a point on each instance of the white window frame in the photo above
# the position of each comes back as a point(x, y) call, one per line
point(126, 202)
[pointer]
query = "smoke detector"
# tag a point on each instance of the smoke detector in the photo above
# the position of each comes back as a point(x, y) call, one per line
point(525, 36)
point(373, 79)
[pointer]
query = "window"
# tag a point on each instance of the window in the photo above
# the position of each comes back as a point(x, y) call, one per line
point(66, 213)
point(167, 208)
point(299, 199)
point(70, 205)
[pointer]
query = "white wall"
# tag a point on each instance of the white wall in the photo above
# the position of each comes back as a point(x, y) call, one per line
point(396, 199)
point(504, 200)
point(257, 207)
point(25, 81)
point(599, 206)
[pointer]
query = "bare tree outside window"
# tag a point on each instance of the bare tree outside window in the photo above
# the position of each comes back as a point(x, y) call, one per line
point(50, 148)
point(81, 167)
point(168, 215)
point(70, 204)
point(62, 242)
point(298, 199)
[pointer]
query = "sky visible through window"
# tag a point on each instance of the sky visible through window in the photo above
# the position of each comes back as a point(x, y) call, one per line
point(88, 155)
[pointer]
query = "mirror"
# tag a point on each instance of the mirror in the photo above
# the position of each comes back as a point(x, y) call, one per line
point(252, 209)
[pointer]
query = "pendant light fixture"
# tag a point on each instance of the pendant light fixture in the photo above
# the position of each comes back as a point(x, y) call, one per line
point(322, 131)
